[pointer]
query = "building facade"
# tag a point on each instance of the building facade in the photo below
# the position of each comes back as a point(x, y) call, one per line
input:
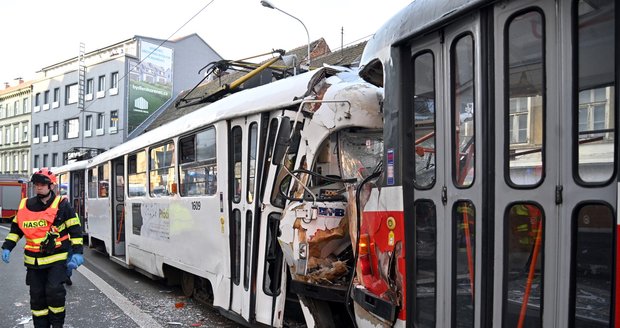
point(15, 105)
point(100, 99)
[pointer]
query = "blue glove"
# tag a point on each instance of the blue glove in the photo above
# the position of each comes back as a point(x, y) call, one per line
point(5, 255)
point(75, 261)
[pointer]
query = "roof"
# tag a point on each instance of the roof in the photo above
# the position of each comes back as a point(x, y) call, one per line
point(419, 16)
point(20, 86)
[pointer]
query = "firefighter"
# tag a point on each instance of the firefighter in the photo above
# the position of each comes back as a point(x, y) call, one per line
point(52, 229)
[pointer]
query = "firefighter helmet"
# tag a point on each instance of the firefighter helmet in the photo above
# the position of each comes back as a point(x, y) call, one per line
point(43, 175)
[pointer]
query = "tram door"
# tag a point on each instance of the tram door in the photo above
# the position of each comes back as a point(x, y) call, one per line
point(246, 144)
point(77, 194)
point(446, 145)
point(555, 185)
point(117, 199)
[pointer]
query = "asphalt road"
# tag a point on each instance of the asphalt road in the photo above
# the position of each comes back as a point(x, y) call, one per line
point(105, 294)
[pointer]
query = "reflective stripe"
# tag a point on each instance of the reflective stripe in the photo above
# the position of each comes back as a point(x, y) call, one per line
point(77, 241)
point(57, 309)
point(46, 259)
point(13, 237)
point(28, 259)
point(14, 219)
point(61, 227)
point(22, 203)
point(56, 201)
point(31, 247)
point(40, 313)
point(35, 241)
point(72, 221)
point(52, 258)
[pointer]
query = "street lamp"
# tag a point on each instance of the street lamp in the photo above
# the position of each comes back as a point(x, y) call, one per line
point(269, 5)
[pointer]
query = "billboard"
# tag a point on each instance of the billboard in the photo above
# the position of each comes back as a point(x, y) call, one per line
point(150, 82)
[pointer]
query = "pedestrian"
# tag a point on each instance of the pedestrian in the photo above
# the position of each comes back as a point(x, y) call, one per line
point(51, 228)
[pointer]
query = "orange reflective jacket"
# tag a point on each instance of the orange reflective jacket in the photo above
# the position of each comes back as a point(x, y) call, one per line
point(36, 225)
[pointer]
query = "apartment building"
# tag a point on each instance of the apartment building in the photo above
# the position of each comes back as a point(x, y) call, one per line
point(100, 99)
point(15, 104)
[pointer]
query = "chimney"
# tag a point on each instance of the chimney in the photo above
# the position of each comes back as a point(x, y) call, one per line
point(21, 80)
point(7, 85)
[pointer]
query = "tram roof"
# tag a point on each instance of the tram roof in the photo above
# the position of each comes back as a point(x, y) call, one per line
point(279, 94)
point(70, 167)
point(419, 16)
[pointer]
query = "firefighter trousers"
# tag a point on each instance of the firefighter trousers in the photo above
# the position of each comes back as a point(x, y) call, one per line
point(47, 294)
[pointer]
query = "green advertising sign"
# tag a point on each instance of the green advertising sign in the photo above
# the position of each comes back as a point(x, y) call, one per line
point(150, 83)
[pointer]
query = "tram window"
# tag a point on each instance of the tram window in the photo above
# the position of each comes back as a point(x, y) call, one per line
point(236, 163)
point(593, 266)
point(198, 174)
point(523, 265)
point(424, 119)
point(252, 144)
point(273, 257)
point(462, 60)
point(248, 248)
point(235, 234)
point(425, 274)
point(162, 166)
point(596, 110)
point(92, 183)
point(104, 180)
point(524, 114)
point(136, 174)
point(289, 161)
point(273, 127)
point(464, 255)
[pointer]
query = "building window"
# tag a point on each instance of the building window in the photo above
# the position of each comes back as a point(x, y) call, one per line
point(45, 158)
point(7, 135)
point(100, 123)
point(55, 159)
point(71, 94)
point(90, 87)
point(72, 128)
point(37, 101)
point(7, 163)
point(55, 131)
point(24, 132)
point(46, 97)
point(101, 86)
point(16, 133)
point(8, 111)
point(24, 161)
point(16, 108)
point(88, 126)
point(56, 98)
point(46, 128)
point(114, 82)
point(26, 106)
point(113, 121)
point(37, 133)
point(36, 161)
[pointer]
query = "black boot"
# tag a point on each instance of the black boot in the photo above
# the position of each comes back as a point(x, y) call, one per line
point(68, 282)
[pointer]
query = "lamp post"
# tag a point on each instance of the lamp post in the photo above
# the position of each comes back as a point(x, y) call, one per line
point(269, 5)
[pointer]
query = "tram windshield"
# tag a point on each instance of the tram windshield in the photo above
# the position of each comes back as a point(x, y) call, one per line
point(360, 153)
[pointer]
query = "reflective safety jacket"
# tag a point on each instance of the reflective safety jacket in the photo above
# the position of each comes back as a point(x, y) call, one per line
point(35, 220)
point(37, 225)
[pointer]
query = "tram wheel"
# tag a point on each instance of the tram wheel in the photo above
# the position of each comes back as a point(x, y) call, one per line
point(187, 284)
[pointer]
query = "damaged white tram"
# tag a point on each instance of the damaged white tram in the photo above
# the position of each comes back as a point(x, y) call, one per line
point(218, 199)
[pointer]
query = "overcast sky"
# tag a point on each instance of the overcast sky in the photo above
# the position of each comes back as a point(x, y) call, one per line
point(39, 33)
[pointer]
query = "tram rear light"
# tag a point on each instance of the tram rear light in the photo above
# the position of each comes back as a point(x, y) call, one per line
point(364, 257)
point(363, 245)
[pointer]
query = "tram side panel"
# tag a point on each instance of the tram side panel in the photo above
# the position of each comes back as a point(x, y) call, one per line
point(187, 232)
